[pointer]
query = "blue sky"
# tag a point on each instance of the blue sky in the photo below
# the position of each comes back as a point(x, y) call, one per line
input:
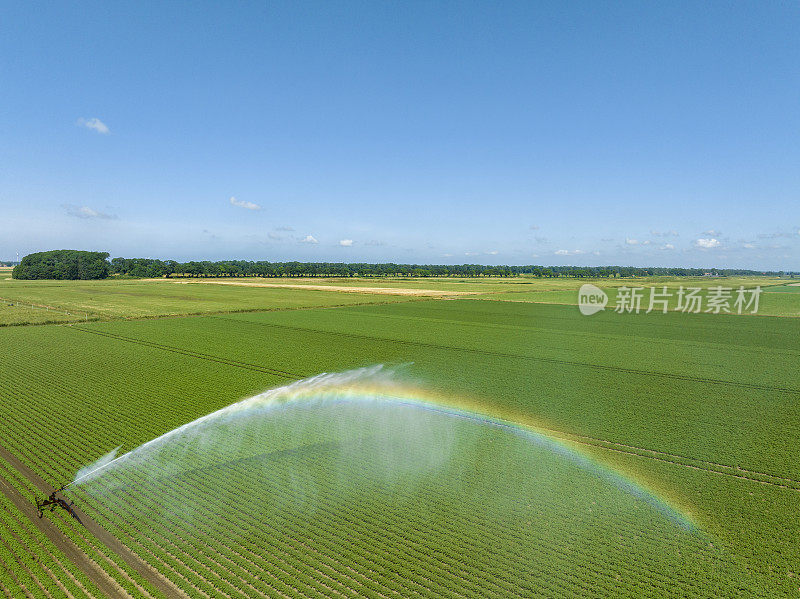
point(436, 132)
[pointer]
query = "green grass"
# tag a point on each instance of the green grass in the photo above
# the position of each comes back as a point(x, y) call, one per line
point(790, 288)
point(131, 298)
point(14, 313)
point(704, 409)
point(115, 299)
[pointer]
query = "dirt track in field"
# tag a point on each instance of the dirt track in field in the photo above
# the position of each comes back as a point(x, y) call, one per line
point(340, 288)
point(96, 574)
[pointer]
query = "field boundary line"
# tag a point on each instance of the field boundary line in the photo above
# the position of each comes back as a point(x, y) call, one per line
point(194, 354)
point(682, 377)
point(145, 570)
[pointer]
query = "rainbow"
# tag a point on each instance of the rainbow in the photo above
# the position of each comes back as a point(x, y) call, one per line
point(377, 385)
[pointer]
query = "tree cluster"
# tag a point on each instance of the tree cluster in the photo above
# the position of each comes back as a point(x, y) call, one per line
point(63, 264)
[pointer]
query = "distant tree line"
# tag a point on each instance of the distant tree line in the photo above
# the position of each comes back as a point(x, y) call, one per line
point(74, 264)
point(63, 264)
point(153, 268)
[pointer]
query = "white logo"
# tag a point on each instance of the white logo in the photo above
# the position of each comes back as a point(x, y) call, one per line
point(591, 299)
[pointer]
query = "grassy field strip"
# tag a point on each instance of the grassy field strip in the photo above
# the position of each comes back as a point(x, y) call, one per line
point(412, 291)
point(16, 313)
point(718, 468)
point(47, 307)
point(651, 373)
point(116, 299)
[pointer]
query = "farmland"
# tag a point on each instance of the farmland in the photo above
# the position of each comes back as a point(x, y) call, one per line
point(64, 301)
point(700, 409)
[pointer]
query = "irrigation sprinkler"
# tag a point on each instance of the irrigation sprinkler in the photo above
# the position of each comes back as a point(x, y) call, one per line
point(53, 502)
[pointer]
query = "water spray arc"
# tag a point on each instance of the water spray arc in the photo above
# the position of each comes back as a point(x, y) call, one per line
point(96, 467)
point(374, 386)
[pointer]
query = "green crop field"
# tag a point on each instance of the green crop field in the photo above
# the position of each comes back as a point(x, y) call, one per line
point(69, 300)
point(659, 458)
point(772, 300)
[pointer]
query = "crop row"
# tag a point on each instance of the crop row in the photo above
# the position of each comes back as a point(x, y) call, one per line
point(105, 563)
point(397, 537)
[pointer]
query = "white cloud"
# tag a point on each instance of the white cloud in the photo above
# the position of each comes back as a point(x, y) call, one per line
point(749, 246)
point(493, 253)
point(309, 239)
point(711, 233)
point(375, 243)
point(534, 227)
point(707, 243)
point(470, 253)
point(86, 212)
point(244, 204)
point(672, 233)
point(667, 246)
point(94, 124)
point(284, 228)
point(646, 242)
point(346, 243)
point(447, 255)
point(274, 236)
point(632, 241)
point(569, 252)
